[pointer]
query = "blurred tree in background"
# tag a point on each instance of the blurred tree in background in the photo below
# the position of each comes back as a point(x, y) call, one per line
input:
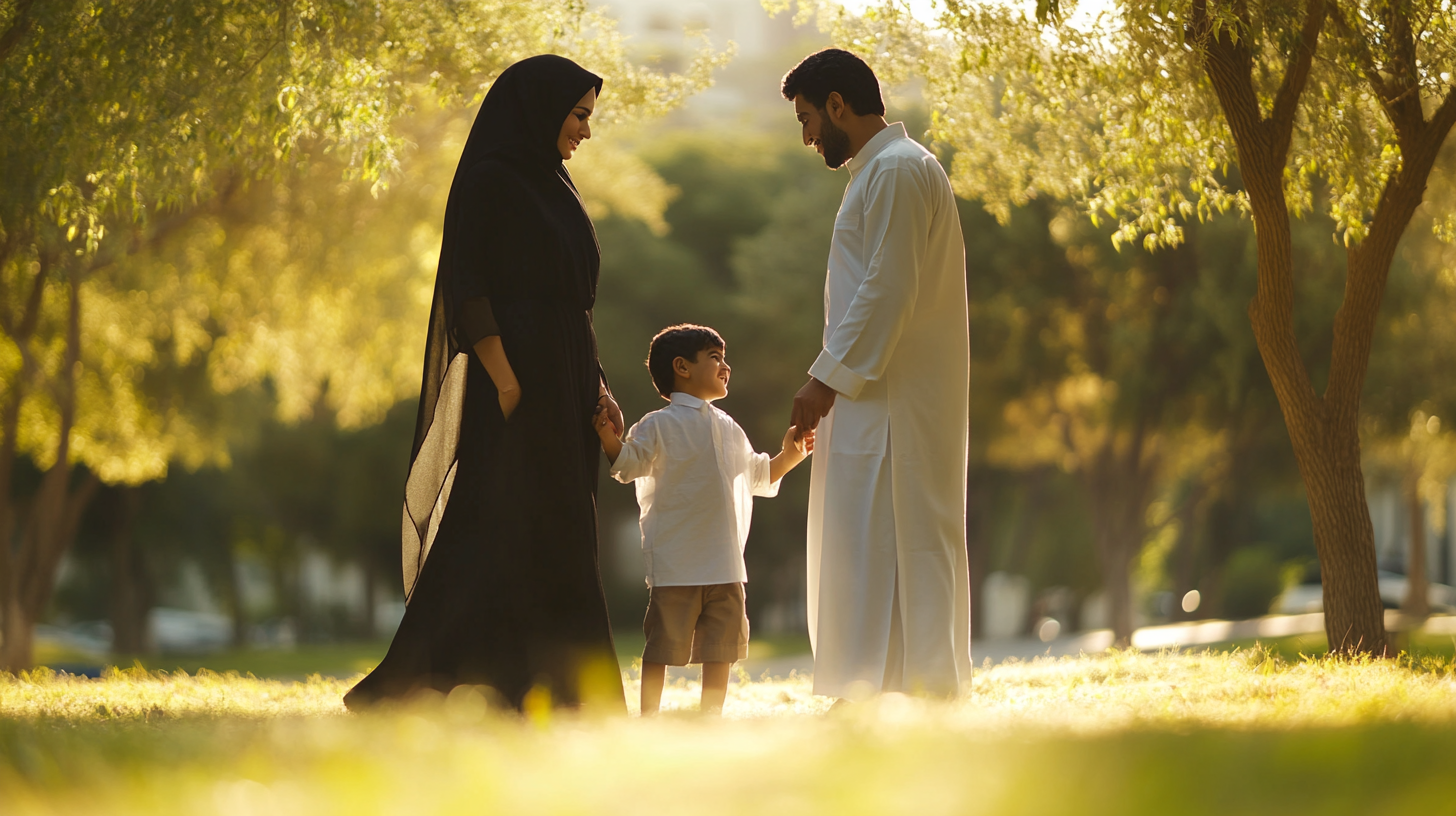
point(176, 223)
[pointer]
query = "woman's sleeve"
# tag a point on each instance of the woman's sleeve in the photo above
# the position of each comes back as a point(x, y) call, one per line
point(601, 372)
point(476, 320)
point(482, 252)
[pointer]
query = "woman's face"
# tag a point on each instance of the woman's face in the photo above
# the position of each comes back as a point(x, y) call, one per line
point(577, 127)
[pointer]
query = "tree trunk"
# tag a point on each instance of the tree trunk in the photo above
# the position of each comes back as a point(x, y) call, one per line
point(54, 518)
point(1118, 482)
point(1345, 542)
point(11, 619)
point(1117, 583)
point(1417, 595)
point(236, 602)
point(129, 596)
point(17, 653)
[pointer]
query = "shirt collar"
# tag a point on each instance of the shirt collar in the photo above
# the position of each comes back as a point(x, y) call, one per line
point(687, 400)
point(892, 131)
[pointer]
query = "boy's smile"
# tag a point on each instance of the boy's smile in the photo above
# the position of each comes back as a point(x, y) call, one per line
point(706, 377)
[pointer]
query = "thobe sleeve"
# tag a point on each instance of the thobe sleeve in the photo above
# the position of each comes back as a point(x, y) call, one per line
point(483, 231)
point(639, 450)
point(897, 225)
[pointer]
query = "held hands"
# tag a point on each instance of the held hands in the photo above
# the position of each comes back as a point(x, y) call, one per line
point(607, 430)
point(607, 404)
point(811, 404)
point(798, 446)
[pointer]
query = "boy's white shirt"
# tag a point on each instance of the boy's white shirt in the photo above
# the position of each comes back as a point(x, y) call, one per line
point(696, 476)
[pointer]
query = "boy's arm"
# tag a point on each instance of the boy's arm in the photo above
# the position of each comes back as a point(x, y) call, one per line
point(794, 452)
point(631, 458)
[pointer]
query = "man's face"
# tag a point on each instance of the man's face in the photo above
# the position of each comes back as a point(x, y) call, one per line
point(821, 133)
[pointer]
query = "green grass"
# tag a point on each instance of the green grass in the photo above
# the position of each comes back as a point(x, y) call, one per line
point(349, 659)
point(1296, 647)
point(1244, 732)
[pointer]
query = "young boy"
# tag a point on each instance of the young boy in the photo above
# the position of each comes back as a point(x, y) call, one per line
point(696, 477)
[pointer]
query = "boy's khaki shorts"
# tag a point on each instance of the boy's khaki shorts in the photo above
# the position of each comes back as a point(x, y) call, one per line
point(696, 624)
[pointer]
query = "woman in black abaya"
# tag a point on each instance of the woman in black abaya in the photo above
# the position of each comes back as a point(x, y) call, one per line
point(501, 575)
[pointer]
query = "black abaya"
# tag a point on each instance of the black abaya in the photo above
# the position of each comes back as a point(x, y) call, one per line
point(501, 569)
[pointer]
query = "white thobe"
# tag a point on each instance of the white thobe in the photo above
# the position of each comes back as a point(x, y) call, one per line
point(889, 588)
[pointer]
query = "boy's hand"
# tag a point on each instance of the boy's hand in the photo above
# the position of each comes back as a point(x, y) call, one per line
point(796, 444)
point(607, 431)
point(602, 422)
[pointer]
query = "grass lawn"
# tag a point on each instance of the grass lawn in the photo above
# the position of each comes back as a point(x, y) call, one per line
point(1245, 732)
point(344, 659)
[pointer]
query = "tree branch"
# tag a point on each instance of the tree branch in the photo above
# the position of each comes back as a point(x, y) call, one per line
point(1443, 119)
point(19, 27)
point(1281, 119)
point(1389, 98)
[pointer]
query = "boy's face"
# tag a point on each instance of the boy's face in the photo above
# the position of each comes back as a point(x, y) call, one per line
point(705, 377)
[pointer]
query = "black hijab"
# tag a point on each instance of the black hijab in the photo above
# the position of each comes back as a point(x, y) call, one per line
point(517, 125)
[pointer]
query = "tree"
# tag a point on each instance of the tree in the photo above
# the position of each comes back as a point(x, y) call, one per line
point(1144, 113)
point(128, 126)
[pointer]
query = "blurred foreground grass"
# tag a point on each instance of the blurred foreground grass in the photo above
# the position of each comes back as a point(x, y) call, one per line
point(1121, 733)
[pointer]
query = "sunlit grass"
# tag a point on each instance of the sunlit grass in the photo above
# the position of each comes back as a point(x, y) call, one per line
point(1121, 733)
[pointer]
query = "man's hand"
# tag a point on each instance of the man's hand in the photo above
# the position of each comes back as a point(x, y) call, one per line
point(811, 404)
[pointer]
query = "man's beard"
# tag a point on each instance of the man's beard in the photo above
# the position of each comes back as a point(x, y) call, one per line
point(834, 142)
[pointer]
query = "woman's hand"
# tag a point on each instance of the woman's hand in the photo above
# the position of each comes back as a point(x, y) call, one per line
point(607, 404)
point(493, 356)
point(509, 399)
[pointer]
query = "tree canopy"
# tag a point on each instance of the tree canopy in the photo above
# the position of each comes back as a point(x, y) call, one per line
point(195, 202)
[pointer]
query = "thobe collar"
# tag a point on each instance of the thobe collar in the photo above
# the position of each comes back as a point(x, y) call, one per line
point(892, 131)
point(687, 400)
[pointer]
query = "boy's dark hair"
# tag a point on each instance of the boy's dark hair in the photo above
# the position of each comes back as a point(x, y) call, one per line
point(835, 69)
point(684, 340)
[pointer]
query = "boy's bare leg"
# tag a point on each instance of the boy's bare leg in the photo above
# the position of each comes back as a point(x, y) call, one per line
point(715, 687)
point(653, 676)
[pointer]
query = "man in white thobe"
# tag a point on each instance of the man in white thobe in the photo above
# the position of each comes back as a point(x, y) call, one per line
point(889, 589)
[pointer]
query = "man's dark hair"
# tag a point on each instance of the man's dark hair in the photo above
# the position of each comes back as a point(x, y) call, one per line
point(684, 340)
point(835, 69)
